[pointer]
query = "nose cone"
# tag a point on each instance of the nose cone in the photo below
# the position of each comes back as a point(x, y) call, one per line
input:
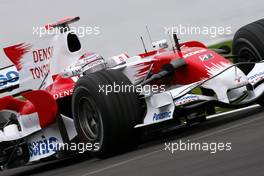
point(227, 83)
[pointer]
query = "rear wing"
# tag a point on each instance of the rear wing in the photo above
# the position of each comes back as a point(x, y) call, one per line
point(62, 24)
point(9, 79)
point(38, 61)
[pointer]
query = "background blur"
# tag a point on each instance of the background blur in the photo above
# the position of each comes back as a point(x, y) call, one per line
point(122, 22)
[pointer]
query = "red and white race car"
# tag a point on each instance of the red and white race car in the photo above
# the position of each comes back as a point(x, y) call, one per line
point(55, 96)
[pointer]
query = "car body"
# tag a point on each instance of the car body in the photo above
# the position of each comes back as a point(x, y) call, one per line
point(39, 92)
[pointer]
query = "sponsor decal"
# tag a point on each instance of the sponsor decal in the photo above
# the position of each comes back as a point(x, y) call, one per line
point(206, 57)
point(8, 77)
point(43, 147)
point(41, 59)
point(161, 116)
point(257, 77)
point(42, 54)
point(186, 99)
point(62, 94)
point(36, 62)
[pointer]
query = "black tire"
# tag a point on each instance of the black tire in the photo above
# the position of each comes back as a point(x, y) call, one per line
point(115, 114)
point(248, 43)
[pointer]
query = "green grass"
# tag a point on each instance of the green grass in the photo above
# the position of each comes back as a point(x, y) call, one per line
point(218, 45)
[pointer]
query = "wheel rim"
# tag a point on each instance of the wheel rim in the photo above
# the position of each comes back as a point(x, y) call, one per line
point(90, 120)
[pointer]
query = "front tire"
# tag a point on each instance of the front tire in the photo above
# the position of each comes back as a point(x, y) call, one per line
point(248, 43)
point(106, 120)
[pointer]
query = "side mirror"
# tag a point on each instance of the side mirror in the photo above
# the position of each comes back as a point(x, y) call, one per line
point(226, 49)
point(223, 50)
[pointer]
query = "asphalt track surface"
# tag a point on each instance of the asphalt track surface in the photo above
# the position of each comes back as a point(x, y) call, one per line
point(244, 129)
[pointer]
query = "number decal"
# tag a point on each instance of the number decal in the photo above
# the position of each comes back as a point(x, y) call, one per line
point(12, 76)
point(3, 80)
point(9, 77)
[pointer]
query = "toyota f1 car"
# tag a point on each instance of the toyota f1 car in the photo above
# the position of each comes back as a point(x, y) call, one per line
point(54, 94)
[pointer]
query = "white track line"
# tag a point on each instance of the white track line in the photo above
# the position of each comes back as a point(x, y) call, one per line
point(232, 111)
point(195, 139)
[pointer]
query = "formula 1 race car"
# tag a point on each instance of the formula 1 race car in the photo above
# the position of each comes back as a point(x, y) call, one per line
point(62, 97)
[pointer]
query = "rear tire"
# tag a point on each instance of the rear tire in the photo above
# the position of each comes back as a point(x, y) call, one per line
point(106, 121)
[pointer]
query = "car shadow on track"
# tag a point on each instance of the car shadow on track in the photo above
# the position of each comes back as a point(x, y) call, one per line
point(156, 139)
